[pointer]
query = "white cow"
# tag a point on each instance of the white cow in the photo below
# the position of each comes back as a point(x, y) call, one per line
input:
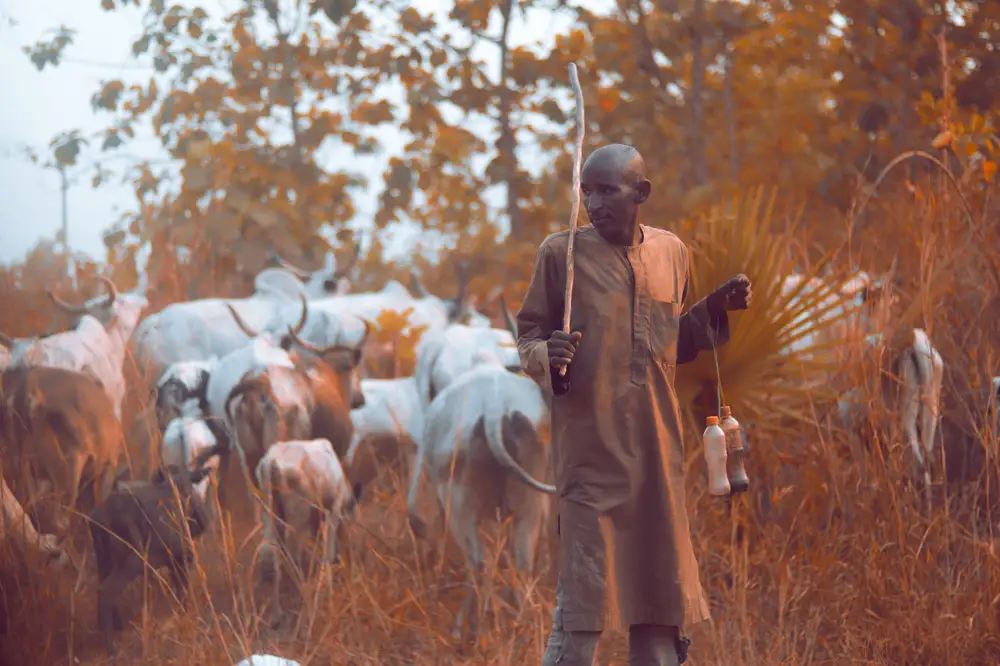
point(95, 347)
point(392, 413)
point(182, 381)
point(306, 493)
point(201, 329)
point(445, 354)
point(474, 424)
point(290, 282)
point(188, 438)
point(921, 374)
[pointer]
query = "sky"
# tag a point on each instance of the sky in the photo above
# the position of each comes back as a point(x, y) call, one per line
point(40, 105)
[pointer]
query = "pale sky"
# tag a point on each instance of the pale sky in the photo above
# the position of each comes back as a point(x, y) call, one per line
point(39, 105)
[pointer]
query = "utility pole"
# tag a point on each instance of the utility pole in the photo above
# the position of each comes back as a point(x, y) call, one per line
point(64, 191)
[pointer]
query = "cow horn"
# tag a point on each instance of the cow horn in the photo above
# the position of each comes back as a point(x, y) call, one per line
point(63, 305)
point(323, 351)
point(508, 318)
point(294, 270)
point(239, 322)
point(6, 341)
point(417, 287)
point(109, 286)
point(351, 263)
point(305, 315)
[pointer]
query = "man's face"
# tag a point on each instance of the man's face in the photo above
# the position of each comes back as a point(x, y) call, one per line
point(610, 198)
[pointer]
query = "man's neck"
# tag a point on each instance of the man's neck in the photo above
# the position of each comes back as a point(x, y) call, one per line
point(627, 239)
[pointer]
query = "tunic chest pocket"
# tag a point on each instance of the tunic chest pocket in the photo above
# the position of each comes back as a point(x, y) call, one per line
point(664, 327)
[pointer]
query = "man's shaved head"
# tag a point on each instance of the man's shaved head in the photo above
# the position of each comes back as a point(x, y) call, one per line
point(621, 158)
point(614, 185)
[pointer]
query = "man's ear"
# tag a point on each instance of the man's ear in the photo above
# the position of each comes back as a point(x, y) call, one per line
point(642, 189)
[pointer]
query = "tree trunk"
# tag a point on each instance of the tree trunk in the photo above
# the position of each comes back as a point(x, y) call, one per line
point(696, 139)
point(507, 143)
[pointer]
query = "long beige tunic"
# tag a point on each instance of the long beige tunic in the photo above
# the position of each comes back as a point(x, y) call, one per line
point(625, 553)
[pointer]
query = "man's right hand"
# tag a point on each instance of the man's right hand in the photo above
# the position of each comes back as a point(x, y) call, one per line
point(561, 347)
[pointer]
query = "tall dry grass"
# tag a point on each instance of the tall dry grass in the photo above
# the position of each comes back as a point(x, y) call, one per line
point(814, 565)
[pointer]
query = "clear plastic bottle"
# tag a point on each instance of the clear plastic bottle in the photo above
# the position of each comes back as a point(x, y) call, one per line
point(714, 440)
point(738, 480)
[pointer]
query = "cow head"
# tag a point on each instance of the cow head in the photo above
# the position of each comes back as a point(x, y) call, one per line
point(325, 282)
point(344, 360)
point(115, 311)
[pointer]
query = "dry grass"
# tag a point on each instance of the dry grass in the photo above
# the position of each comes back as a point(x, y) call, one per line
point(813, 566)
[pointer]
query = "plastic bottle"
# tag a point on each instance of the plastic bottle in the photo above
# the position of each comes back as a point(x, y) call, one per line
point(714, 440)
point(738, 480)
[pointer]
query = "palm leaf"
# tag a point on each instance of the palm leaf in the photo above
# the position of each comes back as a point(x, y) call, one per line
point(760, 371)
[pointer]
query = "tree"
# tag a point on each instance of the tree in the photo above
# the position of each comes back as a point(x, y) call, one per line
point(243, 110)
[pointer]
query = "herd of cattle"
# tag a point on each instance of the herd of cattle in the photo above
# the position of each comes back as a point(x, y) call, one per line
point(279, 380)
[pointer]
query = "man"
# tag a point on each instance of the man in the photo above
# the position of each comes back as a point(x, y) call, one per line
point(625, 545)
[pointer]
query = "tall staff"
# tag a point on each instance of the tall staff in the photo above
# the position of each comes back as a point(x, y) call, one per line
point(574, 80)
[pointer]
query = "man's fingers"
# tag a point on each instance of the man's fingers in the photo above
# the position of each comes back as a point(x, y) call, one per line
point(559, 362)
point(576, 336)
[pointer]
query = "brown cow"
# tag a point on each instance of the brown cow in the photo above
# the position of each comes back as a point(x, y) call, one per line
point(58, 430)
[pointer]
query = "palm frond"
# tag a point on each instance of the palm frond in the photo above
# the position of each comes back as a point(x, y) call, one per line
point(761, 371)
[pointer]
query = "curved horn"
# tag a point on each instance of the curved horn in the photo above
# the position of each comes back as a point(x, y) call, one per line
point(294, 270)
point(417, 287)
point(110, 287)
point(352, 262)
point(322, 351)
point(508, 318)
point(239, 322)
point(305, 315)
point(6, 341)
point(63, 305)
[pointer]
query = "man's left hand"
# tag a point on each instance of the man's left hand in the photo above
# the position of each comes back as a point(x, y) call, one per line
point(735, 294)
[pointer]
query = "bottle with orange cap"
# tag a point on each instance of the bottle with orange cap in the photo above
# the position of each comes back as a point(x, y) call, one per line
point(714, 441)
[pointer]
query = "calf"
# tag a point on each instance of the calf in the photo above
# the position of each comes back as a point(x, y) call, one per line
point(59, 432)
point(305, 489)
point(148, 524)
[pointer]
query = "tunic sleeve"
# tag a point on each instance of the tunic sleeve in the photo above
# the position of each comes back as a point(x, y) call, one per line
point(698, 329)
point(540, 315)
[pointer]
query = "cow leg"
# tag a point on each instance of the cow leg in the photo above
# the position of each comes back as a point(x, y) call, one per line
point(109, 618)
point(463, 525)
point(416, 524)
point(909, 408)
point(929, 412)
point(179, 578)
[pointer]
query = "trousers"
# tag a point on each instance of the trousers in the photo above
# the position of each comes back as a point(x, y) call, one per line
point(648, 645)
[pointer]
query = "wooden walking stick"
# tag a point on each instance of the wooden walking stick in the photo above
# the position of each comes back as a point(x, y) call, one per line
point(574, 80)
